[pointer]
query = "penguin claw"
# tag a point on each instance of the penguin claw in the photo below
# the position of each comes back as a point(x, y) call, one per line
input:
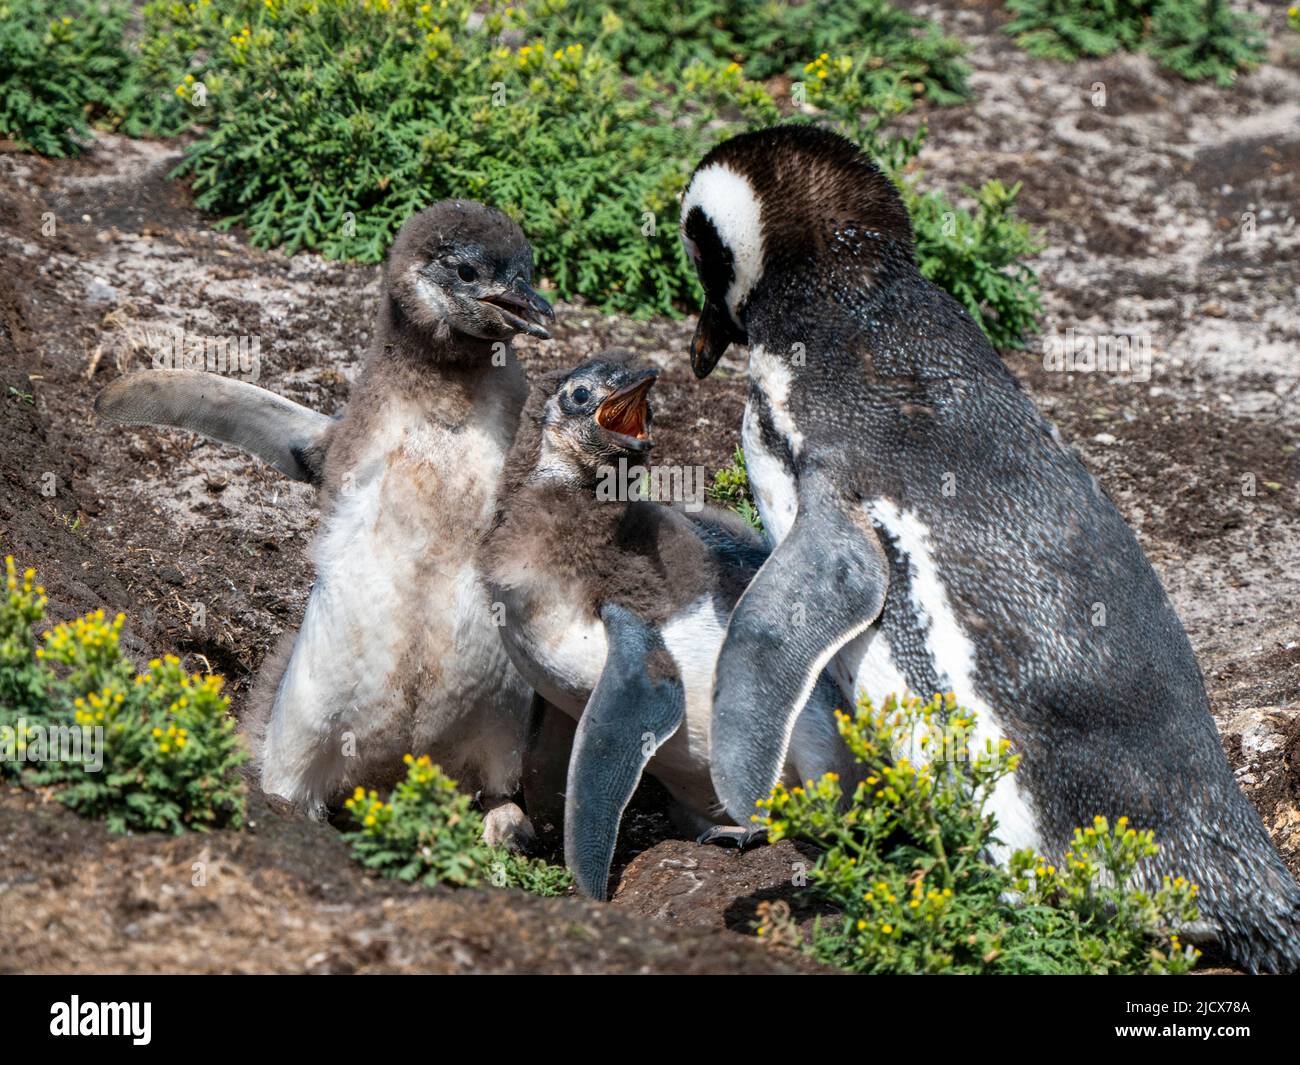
point(733, 836)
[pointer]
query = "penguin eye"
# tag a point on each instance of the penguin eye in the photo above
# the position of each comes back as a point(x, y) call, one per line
point(466, 272)
point(581, 394)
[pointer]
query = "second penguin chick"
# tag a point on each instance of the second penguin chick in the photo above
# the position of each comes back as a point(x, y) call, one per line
point(614, 610)
point(397, 651)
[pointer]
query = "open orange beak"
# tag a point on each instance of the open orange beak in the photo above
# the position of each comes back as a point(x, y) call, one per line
point(626, 413)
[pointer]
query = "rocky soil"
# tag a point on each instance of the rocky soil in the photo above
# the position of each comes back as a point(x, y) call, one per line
point(1167, 210)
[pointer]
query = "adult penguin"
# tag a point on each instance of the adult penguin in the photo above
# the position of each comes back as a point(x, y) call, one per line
point(934, 533)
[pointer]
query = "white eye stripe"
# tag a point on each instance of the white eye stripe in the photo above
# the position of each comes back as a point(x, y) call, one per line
point(729, 202)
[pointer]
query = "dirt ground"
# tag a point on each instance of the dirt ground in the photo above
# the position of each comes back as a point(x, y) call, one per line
point(1169, 212)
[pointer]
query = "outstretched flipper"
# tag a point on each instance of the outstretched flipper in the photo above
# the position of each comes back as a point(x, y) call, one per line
point(823, 585)
point(285, 434)
point(638, 704)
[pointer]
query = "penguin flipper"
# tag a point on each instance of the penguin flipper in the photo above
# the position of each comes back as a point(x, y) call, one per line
point(823, 585)
point(284, 434)
point(638, 703)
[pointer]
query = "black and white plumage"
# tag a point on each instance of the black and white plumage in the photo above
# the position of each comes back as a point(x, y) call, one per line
point(941, 536)
point(398, 651)
point(614, 610)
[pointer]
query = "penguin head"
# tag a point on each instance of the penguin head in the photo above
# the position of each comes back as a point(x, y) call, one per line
point(462, 268)
point(774, 204)
point(592, 416)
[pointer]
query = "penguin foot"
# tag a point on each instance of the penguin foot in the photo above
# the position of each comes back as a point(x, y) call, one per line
point(506, 825)
point(733, 836)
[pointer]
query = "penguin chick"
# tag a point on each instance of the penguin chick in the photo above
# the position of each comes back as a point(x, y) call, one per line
point(615, 608)
point(945, 539)
point(397, 651)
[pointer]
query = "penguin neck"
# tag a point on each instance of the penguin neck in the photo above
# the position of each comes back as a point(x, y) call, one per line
point(457, 378)
point(567, 496)
point(849, 280)
point(400, 340)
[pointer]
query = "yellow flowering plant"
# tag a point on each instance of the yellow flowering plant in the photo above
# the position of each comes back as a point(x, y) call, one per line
point(427, 831)
point(23, 683)
point(906, 861)
point(154, 751)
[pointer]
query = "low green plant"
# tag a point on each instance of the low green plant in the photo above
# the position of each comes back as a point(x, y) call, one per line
point(24, 683)
point(1200, 39)
point(1196, 39)
point(905, 860)
point(730, 489)
point(1068, 29)
point(769, 38)
point(428, 832)
point(150, 751)
point(62, 62)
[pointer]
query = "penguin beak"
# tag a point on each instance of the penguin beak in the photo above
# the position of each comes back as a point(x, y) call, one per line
point(714, 333)
point(625, 414)
point(522, 308)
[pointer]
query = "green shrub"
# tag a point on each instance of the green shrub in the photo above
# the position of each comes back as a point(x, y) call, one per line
point(60, 62)
point(1200, 39)
point(905, 862)
point(174, 67)
point(769, 38)
point(331, 123)
point(429, 832)
point(1194, 38)
point(1068, 29)
point(150, 751)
